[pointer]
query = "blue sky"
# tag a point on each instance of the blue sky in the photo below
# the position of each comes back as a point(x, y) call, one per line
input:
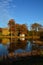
point(22, 11)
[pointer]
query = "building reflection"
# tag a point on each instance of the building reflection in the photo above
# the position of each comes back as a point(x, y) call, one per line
point(5, 41)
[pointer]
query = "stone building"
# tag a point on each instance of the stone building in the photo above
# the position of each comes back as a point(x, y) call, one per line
point(5, 31)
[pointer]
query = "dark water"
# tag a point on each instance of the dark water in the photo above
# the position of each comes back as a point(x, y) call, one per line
point(17, 46)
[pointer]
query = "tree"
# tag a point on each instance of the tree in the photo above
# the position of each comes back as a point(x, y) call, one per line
point(0, 31)
point(23, 29)
point(17, 29)
point(35, 26)
point(11, 22)
point(11, 25)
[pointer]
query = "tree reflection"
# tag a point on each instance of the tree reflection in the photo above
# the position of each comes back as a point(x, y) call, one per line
point(0, 40)
point(37, 47)
point(16, 44)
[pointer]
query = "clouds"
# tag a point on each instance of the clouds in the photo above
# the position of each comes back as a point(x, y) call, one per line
point(5, 8)
point(6, 4)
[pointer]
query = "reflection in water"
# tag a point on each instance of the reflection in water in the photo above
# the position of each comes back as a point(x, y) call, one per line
point(5, 41)
point(0, 41)
point(18, 46)
point(3, 50)
point(28, 47)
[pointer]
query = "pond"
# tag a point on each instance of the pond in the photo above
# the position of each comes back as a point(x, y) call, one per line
point(18, 46)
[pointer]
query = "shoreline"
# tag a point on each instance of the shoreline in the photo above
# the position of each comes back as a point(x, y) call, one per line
point(27, 37)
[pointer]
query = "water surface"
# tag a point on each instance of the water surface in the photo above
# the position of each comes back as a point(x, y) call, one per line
point(17, 46)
